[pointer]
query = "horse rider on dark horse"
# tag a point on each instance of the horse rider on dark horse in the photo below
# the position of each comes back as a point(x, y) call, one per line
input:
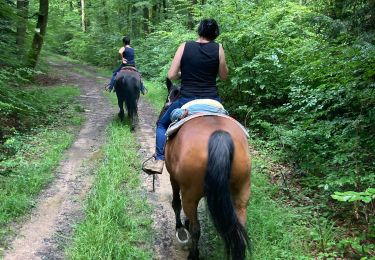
point(127, 56)
point(197, 64)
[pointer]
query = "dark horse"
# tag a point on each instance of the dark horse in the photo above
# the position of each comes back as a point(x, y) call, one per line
point(209, 157)
point(127, 87)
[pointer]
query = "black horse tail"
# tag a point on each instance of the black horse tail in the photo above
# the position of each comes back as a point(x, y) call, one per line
point(217, 191)
point(130, 90)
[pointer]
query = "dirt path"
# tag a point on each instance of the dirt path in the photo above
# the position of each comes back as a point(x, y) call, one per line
point(165, 245)
point(60, 205)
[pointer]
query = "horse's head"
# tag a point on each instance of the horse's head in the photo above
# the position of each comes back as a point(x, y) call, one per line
point(173, 92)
point(173, 95)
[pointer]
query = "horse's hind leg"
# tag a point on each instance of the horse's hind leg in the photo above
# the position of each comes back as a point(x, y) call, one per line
point(190, 206)
point(133, 120)
point(240, 196)
point(121, 114)
point(176, 205)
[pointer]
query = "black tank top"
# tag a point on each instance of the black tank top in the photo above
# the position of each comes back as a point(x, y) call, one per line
point(199, 69)
point(129, 55)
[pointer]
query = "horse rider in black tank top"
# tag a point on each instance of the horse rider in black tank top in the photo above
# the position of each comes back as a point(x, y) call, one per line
point(197, 63)
point(127, 56)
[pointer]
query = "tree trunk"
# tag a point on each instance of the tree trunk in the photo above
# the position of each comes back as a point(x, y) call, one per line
point(40, 32)
point(190, 15)
point(338, 9)
point(134, 21)
point(371, 23)
point(23, 10)
point(145, 20)
point(83, 20)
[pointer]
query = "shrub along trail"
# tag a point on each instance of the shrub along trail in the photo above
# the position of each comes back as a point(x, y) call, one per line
point(60, 205)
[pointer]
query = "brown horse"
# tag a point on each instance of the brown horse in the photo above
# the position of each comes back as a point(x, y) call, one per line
point(209, 157)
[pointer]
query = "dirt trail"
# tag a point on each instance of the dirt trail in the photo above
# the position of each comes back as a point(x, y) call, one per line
point(60, 205)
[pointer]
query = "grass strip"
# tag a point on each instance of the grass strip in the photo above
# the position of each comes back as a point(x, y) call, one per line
point(118, 218)
point(277, 231)
point(157, 94)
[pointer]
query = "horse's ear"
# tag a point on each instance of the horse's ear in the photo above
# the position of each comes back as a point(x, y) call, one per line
point(169, 84)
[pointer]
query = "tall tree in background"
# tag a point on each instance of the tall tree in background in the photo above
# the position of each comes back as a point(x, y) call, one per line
point(190, 14)
point(39, 34)
point(23, 10)
point(83, 19)
point(146, 16)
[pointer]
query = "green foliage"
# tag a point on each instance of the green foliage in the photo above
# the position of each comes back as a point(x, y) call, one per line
point(157, 94)
point(366, 196)
point(303, 86)
point(24, 108)
point(8, 18)
point(157, 50)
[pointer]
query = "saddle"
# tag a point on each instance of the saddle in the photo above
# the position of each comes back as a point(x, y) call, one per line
point(198, 108)
point(128, 69)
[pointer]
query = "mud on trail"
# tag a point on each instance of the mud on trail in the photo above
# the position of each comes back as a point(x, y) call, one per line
point(48, 228)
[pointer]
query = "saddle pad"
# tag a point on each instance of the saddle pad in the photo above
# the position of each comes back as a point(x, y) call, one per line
point(173, 128)
point(205, 101)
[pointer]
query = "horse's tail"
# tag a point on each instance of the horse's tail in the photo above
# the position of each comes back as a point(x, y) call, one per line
point(217, 191)
point(130, 88)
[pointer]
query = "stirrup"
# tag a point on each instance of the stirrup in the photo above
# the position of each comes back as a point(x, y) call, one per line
point(147, 171)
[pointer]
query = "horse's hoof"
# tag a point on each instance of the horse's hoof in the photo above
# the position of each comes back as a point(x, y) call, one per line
point(182, 235)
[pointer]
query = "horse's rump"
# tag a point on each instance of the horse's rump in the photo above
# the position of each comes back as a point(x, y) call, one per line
point(127, 87)
point(209, 157)
point(187, 151)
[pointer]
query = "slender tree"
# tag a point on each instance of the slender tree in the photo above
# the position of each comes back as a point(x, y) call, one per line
point(39, 34)
point(23, 10)
point(146, 16)
point(83, 19)
point(190, 15)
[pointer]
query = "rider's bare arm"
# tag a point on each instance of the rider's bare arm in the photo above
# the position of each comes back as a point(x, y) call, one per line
point(120, 51)
point(223, 68)
point(174, 71)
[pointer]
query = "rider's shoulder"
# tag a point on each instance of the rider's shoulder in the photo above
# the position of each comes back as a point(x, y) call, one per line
point(121, 50)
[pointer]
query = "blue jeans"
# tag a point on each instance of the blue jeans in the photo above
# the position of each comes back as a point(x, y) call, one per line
point(165, 121)
point(113, 79)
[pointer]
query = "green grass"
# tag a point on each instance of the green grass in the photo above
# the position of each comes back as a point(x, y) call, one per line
point(157, 94)
point(29, 158)
point(118, 218)
point(277, 230)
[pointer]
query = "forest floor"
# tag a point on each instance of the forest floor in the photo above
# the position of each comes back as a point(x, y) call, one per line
point(46, 231)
